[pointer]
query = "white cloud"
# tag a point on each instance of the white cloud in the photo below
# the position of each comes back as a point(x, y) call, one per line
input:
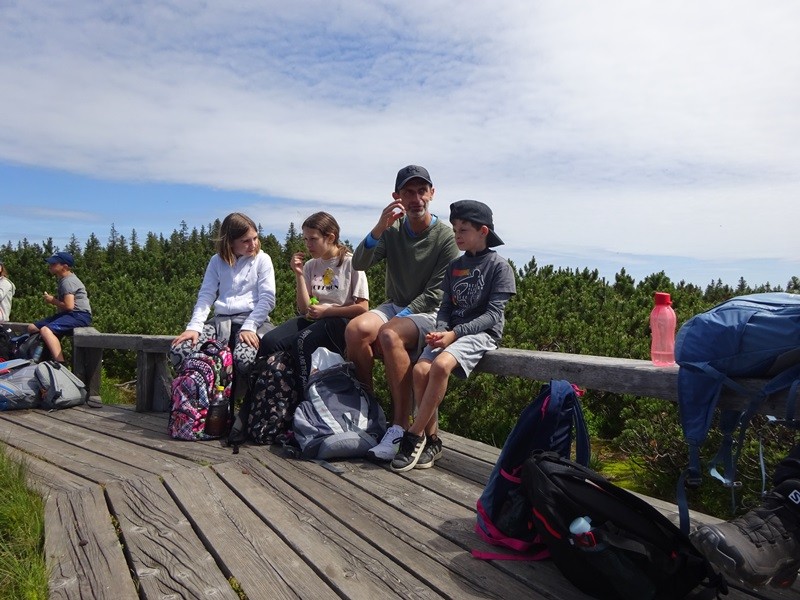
point(609, 129)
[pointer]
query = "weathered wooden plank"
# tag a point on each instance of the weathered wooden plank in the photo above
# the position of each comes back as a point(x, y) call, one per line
point(162, 384)
point(473, 448)
point(89, 337)
point(619, 375)
point(148, 430)
point(87, 365)
point(82, 550)
point(73, 455)
point(465, 466)
point(350, 563)
point(45, 477)
point(153, 381)
point(157, 343)
point(127, 454)
point(610, 374)
point(167, 557)
point(149, 421)
point(413, 540)
point(250, 551)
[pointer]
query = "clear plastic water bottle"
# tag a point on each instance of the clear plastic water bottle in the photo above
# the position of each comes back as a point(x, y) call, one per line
point(581, 530)
point(37, 353)
point(662, 329)
point(217, 417)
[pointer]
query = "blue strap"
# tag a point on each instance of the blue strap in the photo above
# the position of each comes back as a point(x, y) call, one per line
point(683, 503)
point(560, 389)
point(729, 420)
point(582, 444)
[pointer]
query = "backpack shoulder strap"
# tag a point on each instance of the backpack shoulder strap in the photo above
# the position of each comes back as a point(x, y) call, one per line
point(560, 391)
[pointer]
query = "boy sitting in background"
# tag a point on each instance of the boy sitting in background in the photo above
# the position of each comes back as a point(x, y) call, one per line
point(477, 285)
point(71, 302)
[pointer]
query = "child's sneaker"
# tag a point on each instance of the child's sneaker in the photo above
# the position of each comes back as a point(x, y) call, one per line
point(762, 546)
point(431, 451)
point(388, 446)
point(410, 450)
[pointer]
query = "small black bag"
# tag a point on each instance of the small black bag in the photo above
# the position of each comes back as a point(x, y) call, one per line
point(268, 407)
point(6, 343)
point(26, 346)
point(631, 552)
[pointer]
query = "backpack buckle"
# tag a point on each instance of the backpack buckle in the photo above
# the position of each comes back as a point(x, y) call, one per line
point(585, 540)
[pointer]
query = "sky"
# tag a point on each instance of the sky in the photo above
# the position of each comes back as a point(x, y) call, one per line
point(645, 135)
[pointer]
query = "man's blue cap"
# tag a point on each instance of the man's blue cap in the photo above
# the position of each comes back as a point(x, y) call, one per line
point(61, 257)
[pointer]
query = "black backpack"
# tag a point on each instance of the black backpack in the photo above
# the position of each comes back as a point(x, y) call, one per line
point(6, 343)
point(265, 416)
point(608, 542)
point(549, 422)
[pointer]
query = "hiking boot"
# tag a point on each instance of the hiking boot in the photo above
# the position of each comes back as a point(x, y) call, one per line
point(431, 451)
point(388, 446)
point(762, 546)
point(410, 450)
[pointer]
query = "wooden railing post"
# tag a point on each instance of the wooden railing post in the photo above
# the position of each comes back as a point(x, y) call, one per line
point(153, 381)
point(87, 362)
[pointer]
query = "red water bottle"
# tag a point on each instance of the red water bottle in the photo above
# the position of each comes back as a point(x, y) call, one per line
point(662, 328)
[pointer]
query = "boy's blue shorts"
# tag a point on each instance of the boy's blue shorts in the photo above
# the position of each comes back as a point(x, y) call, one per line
point(61, 323)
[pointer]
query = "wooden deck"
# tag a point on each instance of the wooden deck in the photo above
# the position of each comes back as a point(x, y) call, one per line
point(133, 514)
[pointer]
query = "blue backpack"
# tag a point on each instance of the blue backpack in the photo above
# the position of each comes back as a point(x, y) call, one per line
point(547, 423)
point(755, 336)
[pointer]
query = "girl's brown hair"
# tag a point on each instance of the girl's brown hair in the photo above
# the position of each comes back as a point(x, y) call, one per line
point(234, 226)
point(327, 225)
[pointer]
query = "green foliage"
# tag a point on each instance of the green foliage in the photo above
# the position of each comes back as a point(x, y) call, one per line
point(23, 572)
point(150, 287)
point(653, 441)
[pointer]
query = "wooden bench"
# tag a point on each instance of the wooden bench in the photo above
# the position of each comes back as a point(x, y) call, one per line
point(602, 373)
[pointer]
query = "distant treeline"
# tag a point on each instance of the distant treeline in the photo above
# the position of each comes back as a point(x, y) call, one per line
point(150, 285)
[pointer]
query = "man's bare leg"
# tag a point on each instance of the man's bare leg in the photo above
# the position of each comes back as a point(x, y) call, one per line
point(360, 334)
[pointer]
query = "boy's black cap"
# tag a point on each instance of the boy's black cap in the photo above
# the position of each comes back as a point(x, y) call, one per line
point(61, 257)
point(477, 212)
point(408, 173)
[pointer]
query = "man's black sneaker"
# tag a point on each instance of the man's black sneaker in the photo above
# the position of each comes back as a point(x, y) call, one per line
point(410, 450)
point(431, 451)
point(762, 546)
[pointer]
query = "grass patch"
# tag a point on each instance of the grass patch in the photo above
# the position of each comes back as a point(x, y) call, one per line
point(614, 465)
point(116, 391)
point(23, 573)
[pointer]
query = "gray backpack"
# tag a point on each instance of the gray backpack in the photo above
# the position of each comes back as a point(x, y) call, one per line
point(338, 418)
point(19, 388)
point(60, 387)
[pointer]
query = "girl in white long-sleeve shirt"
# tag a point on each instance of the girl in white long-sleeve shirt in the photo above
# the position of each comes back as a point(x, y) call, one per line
point(239, 283)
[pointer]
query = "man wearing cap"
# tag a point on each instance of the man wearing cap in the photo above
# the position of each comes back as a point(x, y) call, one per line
point(7, 290)
point(71, 303)
point(417, 247)
point(477, 285)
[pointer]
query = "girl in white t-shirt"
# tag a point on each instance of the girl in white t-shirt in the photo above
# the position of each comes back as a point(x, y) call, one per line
point(329, 293)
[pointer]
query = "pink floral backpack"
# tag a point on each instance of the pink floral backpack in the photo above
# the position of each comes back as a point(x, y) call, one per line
point(194, 385)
